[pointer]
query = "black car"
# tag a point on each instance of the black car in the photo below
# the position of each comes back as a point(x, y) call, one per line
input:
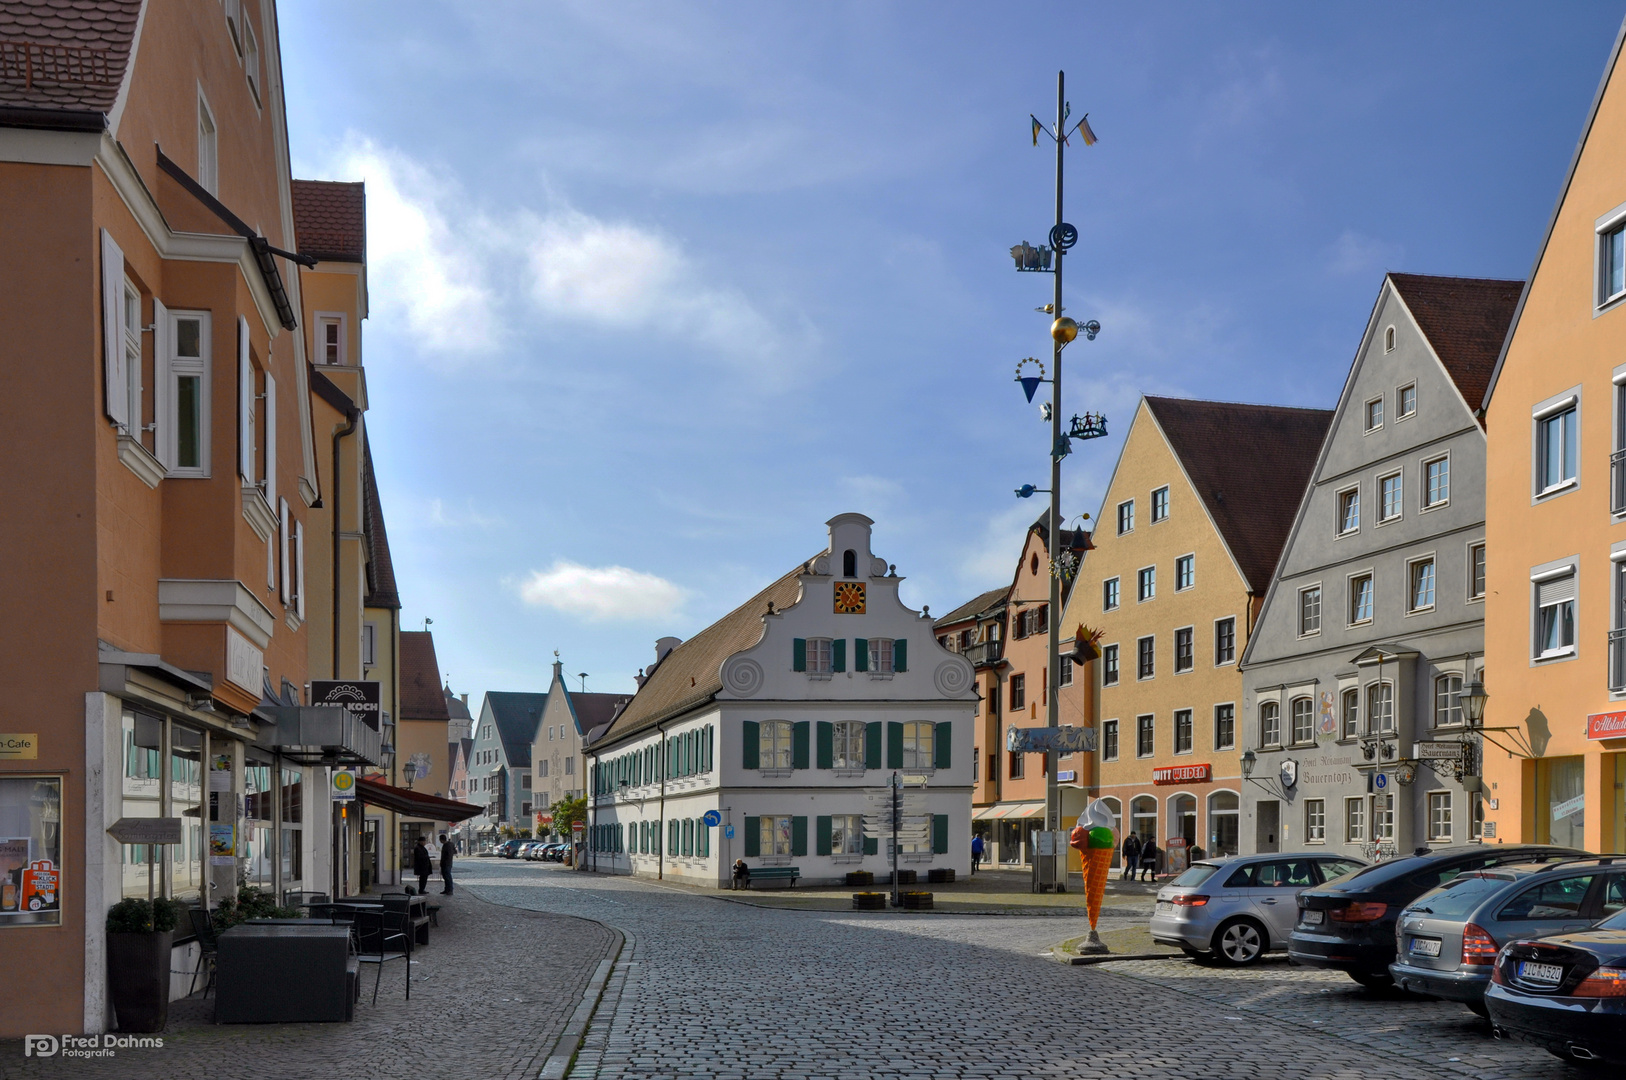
point(1566, 994)
point(1348, 924)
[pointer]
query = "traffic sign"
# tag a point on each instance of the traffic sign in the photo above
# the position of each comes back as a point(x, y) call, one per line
point(1381, 781)
point(712, 819)
point(344, 785)
point(728, 832)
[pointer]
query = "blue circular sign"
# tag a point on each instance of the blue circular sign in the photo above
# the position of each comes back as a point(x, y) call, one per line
point(712, 819)
point(1380, 781)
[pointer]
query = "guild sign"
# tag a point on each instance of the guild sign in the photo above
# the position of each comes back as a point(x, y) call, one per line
point(1290, 773)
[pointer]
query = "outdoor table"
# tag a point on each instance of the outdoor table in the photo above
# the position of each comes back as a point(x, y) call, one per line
point(417, 907)
point(284, 971)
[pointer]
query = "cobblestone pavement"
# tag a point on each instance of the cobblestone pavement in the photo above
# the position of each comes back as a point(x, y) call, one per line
point(490, 996)
point(724, 990)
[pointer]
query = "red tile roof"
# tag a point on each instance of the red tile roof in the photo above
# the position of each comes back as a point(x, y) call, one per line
point(330, 219)
point(1466, 320)
point(65, 55)
point(1250, 465)
point(421, 697)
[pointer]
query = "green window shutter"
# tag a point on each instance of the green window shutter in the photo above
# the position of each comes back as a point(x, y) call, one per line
point(753, 837)
point(798, 836)
point(752, 744)
point(798, 744)
point(798, 654)
point(942, 745)
point(688, 753)
point(673, 834)
point(688, 836)
point(894, 745)
point(940, 834)
point(821, 834)
point(860, 654)
point(706, 761)
point(872, 845)
point(872, 745)
point(826, 745)
point(900, 655)
point(838, 654)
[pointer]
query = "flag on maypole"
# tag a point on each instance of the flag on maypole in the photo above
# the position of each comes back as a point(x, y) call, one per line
point(1085, 130)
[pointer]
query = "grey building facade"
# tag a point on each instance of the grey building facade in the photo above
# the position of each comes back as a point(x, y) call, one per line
point(500, 762)
point(1375, 617)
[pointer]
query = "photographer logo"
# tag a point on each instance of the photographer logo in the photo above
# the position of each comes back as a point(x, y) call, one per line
point(40, 1046)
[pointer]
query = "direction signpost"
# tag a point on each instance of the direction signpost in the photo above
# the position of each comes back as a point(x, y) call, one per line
point(153, 832)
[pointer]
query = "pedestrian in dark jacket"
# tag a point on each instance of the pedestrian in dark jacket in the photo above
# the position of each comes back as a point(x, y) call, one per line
point(742, 874)
point(422, 865)
point(1148, 859)
point(446, 853)
point(1131, 853)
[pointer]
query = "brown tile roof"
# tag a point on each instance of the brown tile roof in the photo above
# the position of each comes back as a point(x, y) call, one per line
point(975, 607)
point(421, 697)
point(330, 219)
point(1250, 465)
point(691, 674)
point(381, 588)
point(65, 56)
point(1466, 320)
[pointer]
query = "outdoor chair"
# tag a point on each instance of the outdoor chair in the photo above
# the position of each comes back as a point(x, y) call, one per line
point(203, 925)
point(387, 938)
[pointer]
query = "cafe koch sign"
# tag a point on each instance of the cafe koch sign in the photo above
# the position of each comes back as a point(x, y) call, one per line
point(1606, 725)
point(364, 698)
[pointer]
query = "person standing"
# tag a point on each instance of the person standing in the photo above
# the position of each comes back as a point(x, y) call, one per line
point(446, 853)
point(421, 865)
point(1131, 853)
point(976, 851)
point(1148, 859)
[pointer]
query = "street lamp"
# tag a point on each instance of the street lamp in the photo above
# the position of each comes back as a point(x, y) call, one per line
point(1249, 760)
point(410, 771)
point(1473, 699)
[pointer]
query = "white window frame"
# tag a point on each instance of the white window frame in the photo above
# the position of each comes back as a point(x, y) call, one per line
point(1128, 517)
point(850, 827)
point(234, 19)
point(1113, 587)
point(1164, 516)
point(1232, 658)
point(1542, 575)
point(1315, 821)
point(1338, 511)
point(208, 170)
point(1146, 723)
point(1389, 339)
point(1191, 642)
point(817, 656)
point(1293, 720)
point(1189, 562)
point(1399, 477)
point(1607, 225)
point(1475, 546)
point(1111, 673)
point(1412, 566)
point(251, 64)
point(1382, 816)
point(1146, 584)
point(1441, 825)
point(1423, 491)
point(181, 367)
point(920, 745)
point(1439, 690)
point(776, 745)
point(1400, 398)
point(1152, 638)
point(1355, 819)
point(773, 832)
point(369, 650)
point(1304, 628)
point(132, 358)
point(1110, 745)
point(1376, 718)
point(320, 321)
point(844, 736)
point(881, 655)
point(1190, 731)
point(1349, 722)
point(1350, 581)
point(1367, 427)
point(1540, 417)
point(1270, 710)
point(1219, 742)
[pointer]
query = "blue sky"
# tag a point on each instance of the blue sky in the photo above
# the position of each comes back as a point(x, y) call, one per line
point(657, 289)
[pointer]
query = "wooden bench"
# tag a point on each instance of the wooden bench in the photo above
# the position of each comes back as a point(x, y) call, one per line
point(787, 874)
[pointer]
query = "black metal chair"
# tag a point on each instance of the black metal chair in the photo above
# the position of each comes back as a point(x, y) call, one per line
point(203, 926)
point(383, 936)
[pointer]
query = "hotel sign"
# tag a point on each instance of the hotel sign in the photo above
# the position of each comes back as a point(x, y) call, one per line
point(1606, 725)
point(1183, 774)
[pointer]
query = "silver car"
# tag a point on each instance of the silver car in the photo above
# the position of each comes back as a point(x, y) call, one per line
point(1447, 939)
point(1240, 908)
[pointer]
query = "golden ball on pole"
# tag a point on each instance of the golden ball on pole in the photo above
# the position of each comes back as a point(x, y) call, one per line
point(1064, 330)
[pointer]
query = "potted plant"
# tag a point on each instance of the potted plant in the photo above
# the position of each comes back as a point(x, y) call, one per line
point(139, 935)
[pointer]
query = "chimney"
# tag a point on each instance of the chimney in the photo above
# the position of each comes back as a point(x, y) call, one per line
point(465, 698)
point(665, 645)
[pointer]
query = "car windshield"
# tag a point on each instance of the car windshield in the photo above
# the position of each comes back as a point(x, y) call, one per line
point(1196, 875)
point(1458, 898)
point(1617, 921)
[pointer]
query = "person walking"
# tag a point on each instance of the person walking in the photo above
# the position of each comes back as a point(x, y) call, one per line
point(421, 865)
point(976, 852)
point(446, 853)
point(1131, 853)
point(1148, 859)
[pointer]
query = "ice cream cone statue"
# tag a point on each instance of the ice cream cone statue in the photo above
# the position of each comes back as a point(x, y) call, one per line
point(1095, 841)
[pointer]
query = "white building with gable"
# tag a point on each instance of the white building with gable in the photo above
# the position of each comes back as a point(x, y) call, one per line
point(781, 716)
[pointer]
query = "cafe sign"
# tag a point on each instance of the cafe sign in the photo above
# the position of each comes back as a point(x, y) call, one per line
point(1183, 774)
point(1606, 725)
point(19, 746)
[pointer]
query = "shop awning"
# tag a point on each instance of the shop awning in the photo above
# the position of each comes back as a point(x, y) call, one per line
point(986, 813)
point(1023, 809)
point(375, 792)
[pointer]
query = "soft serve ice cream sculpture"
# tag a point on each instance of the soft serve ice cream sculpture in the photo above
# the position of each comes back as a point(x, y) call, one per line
point(1095, 841)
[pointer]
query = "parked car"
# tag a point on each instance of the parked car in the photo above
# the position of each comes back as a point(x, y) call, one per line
point(555, 852)
point(1240, 908)
point(1349, 925)
point(527, 850)
point(1447, 939)
point(1566, 994)
point(509, 849)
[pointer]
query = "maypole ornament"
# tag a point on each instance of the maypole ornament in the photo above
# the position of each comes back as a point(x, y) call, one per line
point(1030, 383)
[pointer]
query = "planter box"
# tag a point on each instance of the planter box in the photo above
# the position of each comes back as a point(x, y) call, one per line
point(869, 901)
point(940, 876)
point(917, 901)
point(906, 877)
point(138, 979)
point(860, 877)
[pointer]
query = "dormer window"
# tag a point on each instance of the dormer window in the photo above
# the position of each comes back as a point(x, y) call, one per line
point(849, 563)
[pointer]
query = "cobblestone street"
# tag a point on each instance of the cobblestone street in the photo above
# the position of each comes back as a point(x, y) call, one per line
point(711, 988)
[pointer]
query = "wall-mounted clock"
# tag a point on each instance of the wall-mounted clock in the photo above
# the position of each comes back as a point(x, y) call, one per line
point(849, 598)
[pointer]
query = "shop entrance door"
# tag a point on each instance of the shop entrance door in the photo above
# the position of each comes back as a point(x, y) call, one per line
point(369, 853)
point(1269, 826)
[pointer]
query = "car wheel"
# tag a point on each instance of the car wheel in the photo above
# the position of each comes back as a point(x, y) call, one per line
point(1373, 980)
point(1239, 942)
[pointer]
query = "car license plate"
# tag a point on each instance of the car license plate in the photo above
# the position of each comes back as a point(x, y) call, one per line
point(1165, 908)
point(1425, 946)
point(1311, 918)
point(1550, 974)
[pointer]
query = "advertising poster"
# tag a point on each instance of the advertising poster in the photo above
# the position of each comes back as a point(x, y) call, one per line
point(13, 863)
point(222, 843)
point(1177, 858)
point(220, 772)
point(41, 887)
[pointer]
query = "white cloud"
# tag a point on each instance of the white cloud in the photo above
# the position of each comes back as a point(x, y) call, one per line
point(441, 516)
point(601, 592)
point(1353, 253)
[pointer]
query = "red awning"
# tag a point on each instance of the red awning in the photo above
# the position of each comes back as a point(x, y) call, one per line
point(375, 792)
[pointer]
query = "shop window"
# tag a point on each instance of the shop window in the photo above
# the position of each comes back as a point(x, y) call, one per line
point(31, 851)
point(1143, 816)
point(1561, 802)
point(1224, 824)
point(1225, 727)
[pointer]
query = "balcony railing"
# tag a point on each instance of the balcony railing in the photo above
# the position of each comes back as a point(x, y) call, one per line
point(988, 652)
point(1617, 482)
point(1617, 660)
